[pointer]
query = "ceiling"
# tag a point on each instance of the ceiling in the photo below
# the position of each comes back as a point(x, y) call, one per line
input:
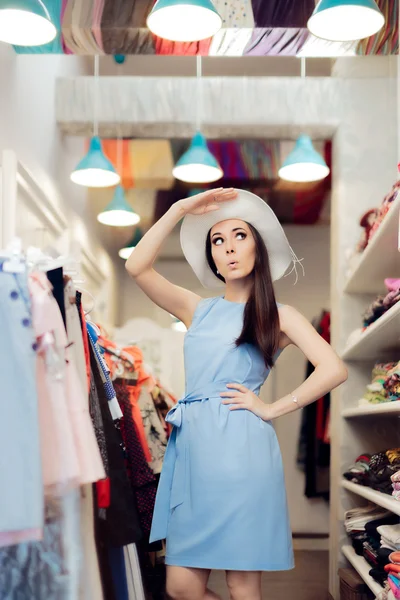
point(250, 28)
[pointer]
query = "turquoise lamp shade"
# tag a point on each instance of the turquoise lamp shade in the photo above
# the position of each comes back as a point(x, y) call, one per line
point(345, 20)
point(95, 170)
point(197, 164)
point(127, 250)
point(118, 213)
point(25, 23)
point(184, 20)
point(304, 163)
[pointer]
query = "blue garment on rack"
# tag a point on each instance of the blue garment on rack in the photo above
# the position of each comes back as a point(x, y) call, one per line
point(221, 501)
point(117, 564)
point(21, 497)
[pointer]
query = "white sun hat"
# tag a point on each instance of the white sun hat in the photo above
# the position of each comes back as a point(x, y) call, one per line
point(247, 207)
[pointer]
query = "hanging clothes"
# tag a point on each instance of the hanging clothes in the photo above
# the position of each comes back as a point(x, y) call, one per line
point(21, 498)
point(119, 523)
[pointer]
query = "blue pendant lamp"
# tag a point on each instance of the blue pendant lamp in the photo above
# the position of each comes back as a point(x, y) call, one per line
point(184, 20)
point(118, 213)
point(197, 164)
point(25, 23)
point(304, 163)
point(127, 250)
point(95, 170)
point(345, 20)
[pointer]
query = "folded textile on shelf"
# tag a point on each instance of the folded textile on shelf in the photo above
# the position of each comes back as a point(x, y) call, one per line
point(375, 470)
point(391, 533)
point(385, 384)
point(382, 304)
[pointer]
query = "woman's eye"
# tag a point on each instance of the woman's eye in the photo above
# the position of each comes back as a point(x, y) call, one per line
point(242, 234)
point(217, 241)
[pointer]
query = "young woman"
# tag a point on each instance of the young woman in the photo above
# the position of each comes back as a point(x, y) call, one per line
point(221, 501)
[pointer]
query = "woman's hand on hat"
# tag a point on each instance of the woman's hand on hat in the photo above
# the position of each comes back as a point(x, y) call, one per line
point(240, 397)
point(207, 201)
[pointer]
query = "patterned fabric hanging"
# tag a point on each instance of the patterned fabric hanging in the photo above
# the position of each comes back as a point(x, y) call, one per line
point(274, 42)
point(386, 41)
point(235, 14)
point(282, 13)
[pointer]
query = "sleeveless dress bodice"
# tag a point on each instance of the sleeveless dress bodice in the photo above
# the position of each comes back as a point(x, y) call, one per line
point(221, 501)
point(210, 353)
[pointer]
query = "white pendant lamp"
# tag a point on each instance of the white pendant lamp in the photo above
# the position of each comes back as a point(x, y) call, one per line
point(95, 170)
point(118, 213)
point(345, 20)
point(198, 164)
point(184, 20)
point(25, 23)
point(304, 163)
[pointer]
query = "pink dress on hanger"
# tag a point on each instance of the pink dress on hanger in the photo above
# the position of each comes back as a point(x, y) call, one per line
point(69, 446)
point(60, 463)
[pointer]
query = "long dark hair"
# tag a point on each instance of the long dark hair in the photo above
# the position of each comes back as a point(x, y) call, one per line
point(261, 319)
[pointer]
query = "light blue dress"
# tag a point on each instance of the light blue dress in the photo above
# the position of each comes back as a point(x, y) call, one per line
point(221, 501)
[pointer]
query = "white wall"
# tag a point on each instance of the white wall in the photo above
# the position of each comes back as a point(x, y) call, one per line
point(310, 295)
point(28, 126)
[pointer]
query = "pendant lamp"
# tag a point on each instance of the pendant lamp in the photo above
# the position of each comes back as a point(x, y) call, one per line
point(197, 164)
point(127, 250)
point(345, 20)
point(25, 23)
point(304, 163)
point(118, 213)
point(184, 20)
point(95, 170)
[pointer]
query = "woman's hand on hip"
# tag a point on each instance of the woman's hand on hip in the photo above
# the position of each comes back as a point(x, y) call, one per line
point(207, 201)
point(240, 397)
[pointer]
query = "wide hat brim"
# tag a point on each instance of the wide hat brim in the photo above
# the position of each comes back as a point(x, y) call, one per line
point(247, 207)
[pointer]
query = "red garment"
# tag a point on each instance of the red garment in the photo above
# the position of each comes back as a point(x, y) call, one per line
point(163, 46)
point(103, 493)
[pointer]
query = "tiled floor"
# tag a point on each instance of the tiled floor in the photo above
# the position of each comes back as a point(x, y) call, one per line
point(308, 581)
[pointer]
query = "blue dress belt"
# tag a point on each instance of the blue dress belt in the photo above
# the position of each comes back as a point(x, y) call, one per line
point(172, 485)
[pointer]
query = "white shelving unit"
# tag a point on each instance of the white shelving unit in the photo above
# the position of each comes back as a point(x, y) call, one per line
point(380, 259)
point(362, 568)
point(387, 408)
point(361, 428)
point(383, 500)
point(378, 339)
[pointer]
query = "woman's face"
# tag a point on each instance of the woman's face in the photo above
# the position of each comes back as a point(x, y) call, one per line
point(233, 249)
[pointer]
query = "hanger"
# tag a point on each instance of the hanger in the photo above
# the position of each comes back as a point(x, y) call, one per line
point(15, 262)
point(83, 291)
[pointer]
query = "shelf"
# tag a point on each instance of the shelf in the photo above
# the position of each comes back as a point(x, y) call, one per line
point(386, 408)
point(383, 335)
point(362, 568)
point(381, 257)
point(384, 500)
